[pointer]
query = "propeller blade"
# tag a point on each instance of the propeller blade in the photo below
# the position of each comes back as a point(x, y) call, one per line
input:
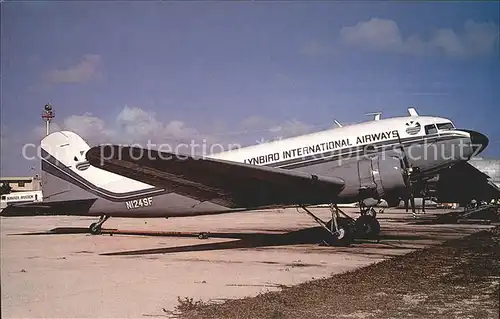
point(413, 207)
point(403, 151)
point(407, 171)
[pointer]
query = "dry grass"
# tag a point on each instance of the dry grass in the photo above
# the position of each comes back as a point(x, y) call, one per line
point(458, 279)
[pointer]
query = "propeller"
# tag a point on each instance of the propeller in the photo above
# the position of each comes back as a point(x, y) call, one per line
point(425, 195)
point(408, 170)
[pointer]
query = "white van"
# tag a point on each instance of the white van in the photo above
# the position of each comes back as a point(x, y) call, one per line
point(20, 197)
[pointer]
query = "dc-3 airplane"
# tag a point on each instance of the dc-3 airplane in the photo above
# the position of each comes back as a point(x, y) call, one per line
point(366, 162)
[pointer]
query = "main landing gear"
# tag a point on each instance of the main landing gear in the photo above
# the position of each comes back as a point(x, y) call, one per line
point(342, 229)
point(367, 225)
point(96, 228)
point(339, 230)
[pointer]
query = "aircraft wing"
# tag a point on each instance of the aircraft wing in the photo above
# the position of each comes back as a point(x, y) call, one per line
point(464, 181)
point(49, 208)
point(495, 188)
point(226, 183)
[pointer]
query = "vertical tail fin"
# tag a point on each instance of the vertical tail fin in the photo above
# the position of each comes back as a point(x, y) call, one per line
point(67, 175)
point(61, 151)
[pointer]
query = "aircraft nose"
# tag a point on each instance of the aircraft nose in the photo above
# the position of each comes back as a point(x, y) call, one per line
point(478, 140)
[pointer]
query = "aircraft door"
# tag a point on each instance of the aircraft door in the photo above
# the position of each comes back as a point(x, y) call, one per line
point(365, 173)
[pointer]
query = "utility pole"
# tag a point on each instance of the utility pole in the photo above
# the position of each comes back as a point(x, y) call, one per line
point(47, 115)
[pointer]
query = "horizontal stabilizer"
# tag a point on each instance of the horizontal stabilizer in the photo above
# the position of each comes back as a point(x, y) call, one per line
point(50, 208)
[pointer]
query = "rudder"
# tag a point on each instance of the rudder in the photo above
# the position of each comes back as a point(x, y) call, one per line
point(67, 175)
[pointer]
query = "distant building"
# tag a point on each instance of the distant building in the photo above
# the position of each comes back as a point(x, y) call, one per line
point(20, 197)
point(22, 184)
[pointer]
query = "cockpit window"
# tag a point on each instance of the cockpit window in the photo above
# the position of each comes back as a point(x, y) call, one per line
point(446, 126)
point(430, 129)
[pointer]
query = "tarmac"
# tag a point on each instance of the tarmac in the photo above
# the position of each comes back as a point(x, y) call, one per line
point(141, 270)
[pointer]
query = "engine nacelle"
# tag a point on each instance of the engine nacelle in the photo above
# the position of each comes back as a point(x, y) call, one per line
point(393, 201)
point(390, 180)
point(376, 178)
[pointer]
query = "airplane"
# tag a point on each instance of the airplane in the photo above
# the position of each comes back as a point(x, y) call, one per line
point(363, 163)
point(475, 180)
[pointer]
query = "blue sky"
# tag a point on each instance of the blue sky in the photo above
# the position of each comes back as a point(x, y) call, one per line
point(172, 71)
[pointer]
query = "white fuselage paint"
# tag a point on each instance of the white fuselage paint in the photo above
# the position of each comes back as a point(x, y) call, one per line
point(338, 139)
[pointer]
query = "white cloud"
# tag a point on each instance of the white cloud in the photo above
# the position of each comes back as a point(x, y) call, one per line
point(255, 122)
point(85, 70)
point(93, 128)
point(291, 128)
point(376, 34)
point(178, 130)
point(288, 128)
point(140, 125)
point(39, 131)
point(135, 125)
point(263, 129)
point(136, 122)
point(317, 48)
point(131, 125)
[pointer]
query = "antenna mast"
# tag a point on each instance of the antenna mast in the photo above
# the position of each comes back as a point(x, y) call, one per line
point(47, 115)
point(375, 114)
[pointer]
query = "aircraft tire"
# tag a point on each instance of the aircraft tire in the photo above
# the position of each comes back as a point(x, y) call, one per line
point(94, 230)
point(203, 236)
point(345, 238)
point(367, 227)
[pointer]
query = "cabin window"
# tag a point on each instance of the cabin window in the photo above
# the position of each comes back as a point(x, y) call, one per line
point(20, 184)
point(3, 197)
point(430, 129)
point(446, 126)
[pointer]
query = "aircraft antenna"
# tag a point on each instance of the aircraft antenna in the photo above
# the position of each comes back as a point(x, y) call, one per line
point(412, 111)
point(376, 115)
point(47, 115)
point(338, 123)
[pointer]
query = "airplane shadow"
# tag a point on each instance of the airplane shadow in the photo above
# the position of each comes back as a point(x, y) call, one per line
point(243, 240)
point(311, 235)
point(56, 231)
point(254, 240)
point(250, 240)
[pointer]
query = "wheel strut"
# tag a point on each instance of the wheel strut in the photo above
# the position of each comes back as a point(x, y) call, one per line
point(95, 228)
point(321, 222)
point(339, 231)
point(367, 225)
